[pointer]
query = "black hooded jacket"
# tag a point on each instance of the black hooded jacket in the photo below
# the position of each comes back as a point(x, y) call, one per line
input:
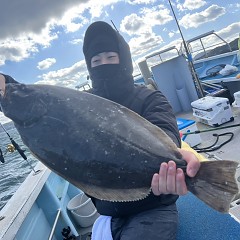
point(116, 83)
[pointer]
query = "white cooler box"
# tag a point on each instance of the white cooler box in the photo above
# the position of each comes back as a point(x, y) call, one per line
point(212, 111)
point(185, 126)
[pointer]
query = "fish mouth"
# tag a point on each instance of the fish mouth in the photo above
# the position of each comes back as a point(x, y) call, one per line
point(30, 108)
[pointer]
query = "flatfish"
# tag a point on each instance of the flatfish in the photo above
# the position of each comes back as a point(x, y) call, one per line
point(105, 149)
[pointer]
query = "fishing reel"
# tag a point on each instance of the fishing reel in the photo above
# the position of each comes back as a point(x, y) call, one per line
point(10, 148)
point(67, 234)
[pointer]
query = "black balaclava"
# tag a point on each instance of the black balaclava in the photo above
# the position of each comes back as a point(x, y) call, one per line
point(112, 81)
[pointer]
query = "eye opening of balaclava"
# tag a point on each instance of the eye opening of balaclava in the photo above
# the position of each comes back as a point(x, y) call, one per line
point(108, 80)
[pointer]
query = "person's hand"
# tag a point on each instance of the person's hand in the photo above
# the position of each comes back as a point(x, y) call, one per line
point(2, 84)
point(171, 180)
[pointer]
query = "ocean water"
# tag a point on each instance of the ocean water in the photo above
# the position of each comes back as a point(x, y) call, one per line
point(15, 169)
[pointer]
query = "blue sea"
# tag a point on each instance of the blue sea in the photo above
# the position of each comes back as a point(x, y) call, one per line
point(15, 169)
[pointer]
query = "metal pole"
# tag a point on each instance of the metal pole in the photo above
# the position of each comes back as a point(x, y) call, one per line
point(54, 225)
point(189, 56)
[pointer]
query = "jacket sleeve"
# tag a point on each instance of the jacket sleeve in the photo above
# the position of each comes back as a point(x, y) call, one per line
point(158, 111)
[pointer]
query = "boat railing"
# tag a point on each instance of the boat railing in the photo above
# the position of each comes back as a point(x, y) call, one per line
point(204, 49)
point(83, 86)
point(164, 51)
point(234, 60)
point(145, 65)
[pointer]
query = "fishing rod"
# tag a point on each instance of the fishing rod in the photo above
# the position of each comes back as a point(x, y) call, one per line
point(16, 146)
point(20, 151)
point(211, 129)
point(189, 56)
point(114, 26)
point(1, 156)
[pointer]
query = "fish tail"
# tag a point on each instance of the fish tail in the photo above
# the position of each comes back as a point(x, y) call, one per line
point(215, 184)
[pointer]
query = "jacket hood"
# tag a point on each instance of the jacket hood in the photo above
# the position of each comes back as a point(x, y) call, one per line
point(101, 37)
point(99, 31)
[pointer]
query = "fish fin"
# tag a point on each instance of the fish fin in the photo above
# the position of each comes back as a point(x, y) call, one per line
point(215, 184)
point(115, 195)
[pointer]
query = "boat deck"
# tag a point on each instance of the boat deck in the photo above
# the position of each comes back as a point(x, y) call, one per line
point(230, 151)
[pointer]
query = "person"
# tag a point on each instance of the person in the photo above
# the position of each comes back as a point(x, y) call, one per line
point(110, 68)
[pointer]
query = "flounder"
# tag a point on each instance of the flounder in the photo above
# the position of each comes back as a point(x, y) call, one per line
point(103, 148)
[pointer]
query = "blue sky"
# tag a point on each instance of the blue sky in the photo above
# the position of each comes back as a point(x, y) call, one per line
point(41, 41)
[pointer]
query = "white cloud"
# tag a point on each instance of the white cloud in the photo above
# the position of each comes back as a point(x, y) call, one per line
point(158, 15)
point(233, 8)
point(31, 16)
point(68, 77)
point(73, 19)
point(133, 24)
point(191, 4)
point(33, 24)
point(141, 1)
point(199, 18)
point(171, 34)
point(145, 20)
point(142, 44)
point(17, 49)
point(21, 37)
point(230, 32)
point(96, 7)
point(76, 41)
point(47, 63)
point(140, 27)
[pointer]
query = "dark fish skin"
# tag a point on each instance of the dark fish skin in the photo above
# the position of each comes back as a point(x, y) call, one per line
point(100, 146)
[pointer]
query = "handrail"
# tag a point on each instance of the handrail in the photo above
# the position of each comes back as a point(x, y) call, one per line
point(162, 51)
point(199, 37)
point(83, 85)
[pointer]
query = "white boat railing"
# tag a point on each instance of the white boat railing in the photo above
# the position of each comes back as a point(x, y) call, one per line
point(161, 52)
point(203, 47)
